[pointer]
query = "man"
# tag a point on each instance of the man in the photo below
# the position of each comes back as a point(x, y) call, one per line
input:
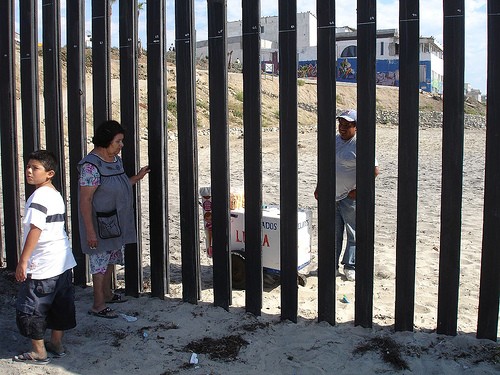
point(345, 197)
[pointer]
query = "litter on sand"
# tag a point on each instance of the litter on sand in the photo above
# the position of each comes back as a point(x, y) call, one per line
point(128, 318)
point(194, 359)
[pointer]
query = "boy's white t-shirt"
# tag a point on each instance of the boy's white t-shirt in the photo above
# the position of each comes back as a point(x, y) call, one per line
point(45, 209)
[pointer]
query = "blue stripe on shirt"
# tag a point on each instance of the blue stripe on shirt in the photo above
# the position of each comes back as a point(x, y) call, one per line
point(55, 218)
point(39, 207)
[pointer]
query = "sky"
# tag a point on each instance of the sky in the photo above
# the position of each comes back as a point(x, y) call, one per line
point(431, 24)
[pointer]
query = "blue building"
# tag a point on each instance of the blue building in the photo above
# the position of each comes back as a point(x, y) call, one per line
point(431, 52)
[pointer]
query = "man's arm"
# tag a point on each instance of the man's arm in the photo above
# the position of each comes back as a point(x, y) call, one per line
point(352, 193)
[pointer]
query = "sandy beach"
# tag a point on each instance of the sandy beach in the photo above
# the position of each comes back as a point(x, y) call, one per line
point(167, 332)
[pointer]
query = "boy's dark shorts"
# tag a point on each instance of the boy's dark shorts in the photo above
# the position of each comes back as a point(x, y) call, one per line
point(46, 304)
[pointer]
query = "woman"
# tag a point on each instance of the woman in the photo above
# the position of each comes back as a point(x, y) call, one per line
point(106, 212)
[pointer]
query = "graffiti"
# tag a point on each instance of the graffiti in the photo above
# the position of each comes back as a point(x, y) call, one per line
point(346, 71)
point(307, 69)
point(388, 78)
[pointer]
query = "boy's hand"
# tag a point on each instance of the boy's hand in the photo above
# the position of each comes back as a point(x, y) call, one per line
point(29, 245)
point(21, 271)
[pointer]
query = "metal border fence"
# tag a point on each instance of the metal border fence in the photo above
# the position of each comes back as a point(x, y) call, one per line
point(185, 41)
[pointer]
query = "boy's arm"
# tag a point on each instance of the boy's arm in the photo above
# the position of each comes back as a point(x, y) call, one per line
point(29, 246)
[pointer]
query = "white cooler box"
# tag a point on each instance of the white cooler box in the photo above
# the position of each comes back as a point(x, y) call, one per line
point(271, 236)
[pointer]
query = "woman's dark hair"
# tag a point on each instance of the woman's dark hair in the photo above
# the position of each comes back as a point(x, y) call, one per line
point(105, 133)
point(46, 158)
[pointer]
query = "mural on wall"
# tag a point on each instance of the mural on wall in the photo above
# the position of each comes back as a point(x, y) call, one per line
point(346, 70)
point(307, 69)
point(387, 73)
point(425, 77)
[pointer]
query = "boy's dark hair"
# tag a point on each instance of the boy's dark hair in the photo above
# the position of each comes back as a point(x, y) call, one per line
point(46, 158)
point(105, 133)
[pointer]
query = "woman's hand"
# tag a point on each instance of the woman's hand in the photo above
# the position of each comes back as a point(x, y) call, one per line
point(92, 240)
point(143, 171)
point(140, 175)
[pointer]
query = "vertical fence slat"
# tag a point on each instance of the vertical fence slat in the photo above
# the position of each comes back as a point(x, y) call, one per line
point(54, 132)
point(185, 44)
point(489, 293)
point(253, 155)
point(157, 149)
point(101, 75)
point(365, 151)
point(77, 127)
point(287, 13)
point(453, 150)
point(219, 151)
point(28, 17)
point(130, 121)
point(406, 236)
point(326, 159)
point(8, 132)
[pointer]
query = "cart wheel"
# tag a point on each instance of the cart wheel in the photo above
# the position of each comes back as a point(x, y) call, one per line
point(238, 270)
point(301, 279)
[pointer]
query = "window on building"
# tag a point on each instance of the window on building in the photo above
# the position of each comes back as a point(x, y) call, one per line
point(262, 29)
point(393, 49)
point(422, 76)
point(381, 48)
point(350, 51)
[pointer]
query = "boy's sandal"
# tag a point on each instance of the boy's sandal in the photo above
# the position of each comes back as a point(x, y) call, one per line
point(104, 313)
point(117, 298)
point(28, 358)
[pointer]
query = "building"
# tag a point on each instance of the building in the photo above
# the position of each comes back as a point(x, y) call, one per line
point(387, 64)
point(470, 92)
point(387, 59)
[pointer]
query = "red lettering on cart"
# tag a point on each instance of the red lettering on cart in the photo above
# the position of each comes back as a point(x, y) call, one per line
point(238, 239)
point(266, 241)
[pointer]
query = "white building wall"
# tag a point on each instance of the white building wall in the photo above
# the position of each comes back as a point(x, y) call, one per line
point(269, 29)
point(306, 29)
point(308, 53)
point(388, 49)
point(307, 25)
point(436, 65)
point(234, 28)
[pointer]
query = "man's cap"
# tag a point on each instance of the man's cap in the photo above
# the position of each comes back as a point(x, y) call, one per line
point(349, 115)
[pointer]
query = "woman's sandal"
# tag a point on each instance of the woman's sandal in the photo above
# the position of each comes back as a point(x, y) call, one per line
point(104, 313)
point(117, 298)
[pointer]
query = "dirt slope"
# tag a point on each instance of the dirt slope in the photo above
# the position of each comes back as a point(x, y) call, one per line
point(346, 95)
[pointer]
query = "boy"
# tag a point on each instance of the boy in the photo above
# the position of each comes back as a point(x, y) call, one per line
point(46, 297)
